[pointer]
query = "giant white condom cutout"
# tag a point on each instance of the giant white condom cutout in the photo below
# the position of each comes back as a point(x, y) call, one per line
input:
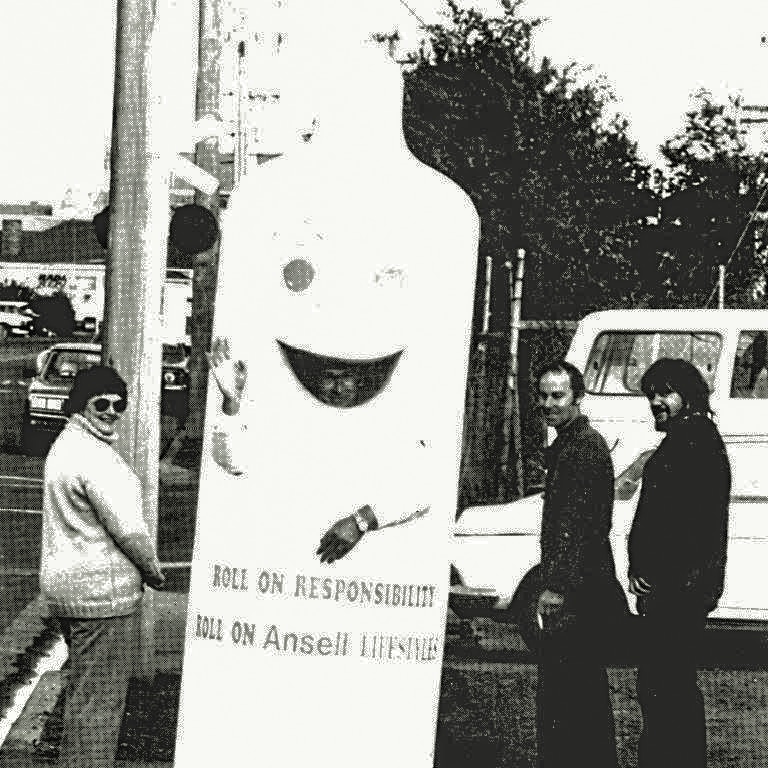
point(346, 289)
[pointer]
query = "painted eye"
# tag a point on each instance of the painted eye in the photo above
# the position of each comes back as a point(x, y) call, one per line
point(298, 275)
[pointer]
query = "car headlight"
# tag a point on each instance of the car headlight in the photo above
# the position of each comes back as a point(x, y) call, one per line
point(169, 377)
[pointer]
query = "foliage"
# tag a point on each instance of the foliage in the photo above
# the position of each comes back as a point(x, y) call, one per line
point(710, 196)
point(13, 291)
point(54, 314)
point(530, 145)
point(54, 311)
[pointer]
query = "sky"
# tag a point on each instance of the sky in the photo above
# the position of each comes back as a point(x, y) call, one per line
point(656, 53)
point(57, 71)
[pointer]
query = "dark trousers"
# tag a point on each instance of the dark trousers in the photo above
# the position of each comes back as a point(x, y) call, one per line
point(574, 722)
point(674, 730)
point(101, 654)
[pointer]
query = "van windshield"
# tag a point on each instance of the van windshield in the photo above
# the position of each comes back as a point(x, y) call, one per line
point(619, 359)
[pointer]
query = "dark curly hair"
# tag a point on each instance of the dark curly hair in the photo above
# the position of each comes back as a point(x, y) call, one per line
point(676, 375)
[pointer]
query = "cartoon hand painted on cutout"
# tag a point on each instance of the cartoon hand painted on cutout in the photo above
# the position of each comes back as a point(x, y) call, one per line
point(230, 375)
point(339, 540)
point(344, 535)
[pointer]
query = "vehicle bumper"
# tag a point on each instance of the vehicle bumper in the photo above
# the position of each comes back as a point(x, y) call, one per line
point(467, 606)
point(47, 422)
point(477, 601)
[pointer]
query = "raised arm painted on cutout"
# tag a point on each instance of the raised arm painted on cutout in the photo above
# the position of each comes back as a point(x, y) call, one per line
point(229, 430)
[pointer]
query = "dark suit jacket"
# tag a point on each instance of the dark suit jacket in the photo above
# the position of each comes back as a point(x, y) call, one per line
point(576, 556)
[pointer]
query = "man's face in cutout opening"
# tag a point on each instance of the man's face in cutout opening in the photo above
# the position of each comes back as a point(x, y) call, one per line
point(338, 387)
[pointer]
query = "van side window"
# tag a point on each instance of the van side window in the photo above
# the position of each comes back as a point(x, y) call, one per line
point(750, 376)
point(619, 359)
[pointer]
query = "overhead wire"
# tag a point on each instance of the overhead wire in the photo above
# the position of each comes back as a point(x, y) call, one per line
point(739, 241)
point(413, 13)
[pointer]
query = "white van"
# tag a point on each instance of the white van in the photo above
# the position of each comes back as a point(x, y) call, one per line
point(495, 546)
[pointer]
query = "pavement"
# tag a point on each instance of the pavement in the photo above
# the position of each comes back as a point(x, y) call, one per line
point(32, 637)
point(29, 741)
point(148, 733)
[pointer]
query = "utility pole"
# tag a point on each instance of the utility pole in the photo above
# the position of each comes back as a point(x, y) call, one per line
point(721, 286)
point(206, 263)
point(136, 261)
point(242, 96)
point(512, 427)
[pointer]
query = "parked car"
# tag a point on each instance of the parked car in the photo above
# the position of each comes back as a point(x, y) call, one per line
point(496, 547)
point(56, 368)
point(16, 319)
point(175, 391)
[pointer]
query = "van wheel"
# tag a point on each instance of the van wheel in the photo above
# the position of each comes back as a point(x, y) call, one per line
point(522, 609)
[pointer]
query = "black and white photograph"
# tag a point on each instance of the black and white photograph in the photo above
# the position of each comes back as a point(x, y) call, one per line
point(384, 383)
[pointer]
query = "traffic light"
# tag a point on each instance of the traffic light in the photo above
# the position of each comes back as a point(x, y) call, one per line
point(101, 227)
point(193, 229)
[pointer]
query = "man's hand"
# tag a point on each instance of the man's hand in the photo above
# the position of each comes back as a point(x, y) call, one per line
point(155, 580)
point(638, 586)
point(625, 488)
point(550, 604)
point(231, 375)
point(339, 540)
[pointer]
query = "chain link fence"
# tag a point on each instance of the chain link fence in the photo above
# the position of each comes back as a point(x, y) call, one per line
point(483, 444)
point(487, 706)
point(488, 453)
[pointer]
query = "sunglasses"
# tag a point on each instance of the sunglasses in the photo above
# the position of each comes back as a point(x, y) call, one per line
point(101, 404)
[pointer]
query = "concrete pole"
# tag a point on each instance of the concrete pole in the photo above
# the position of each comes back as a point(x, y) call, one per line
point(136, 263)
point(206, 264)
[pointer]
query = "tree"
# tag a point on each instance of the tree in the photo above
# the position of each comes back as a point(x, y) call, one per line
point(531, 146)
point(13, 291)
point(706, 215)
point(54, 314)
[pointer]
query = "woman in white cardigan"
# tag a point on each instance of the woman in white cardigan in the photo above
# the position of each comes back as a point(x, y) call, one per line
point(96, 557)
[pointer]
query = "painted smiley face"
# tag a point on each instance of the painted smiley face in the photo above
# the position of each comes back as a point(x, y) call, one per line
point(341, 309)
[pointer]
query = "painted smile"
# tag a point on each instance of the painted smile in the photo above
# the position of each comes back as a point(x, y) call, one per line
point(339, 382)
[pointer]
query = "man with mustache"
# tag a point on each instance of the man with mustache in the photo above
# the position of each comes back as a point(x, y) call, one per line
point(581, 602)
point(677, 554)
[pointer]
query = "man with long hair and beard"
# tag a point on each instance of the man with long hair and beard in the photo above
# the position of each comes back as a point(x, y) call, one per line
point(677, 554)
